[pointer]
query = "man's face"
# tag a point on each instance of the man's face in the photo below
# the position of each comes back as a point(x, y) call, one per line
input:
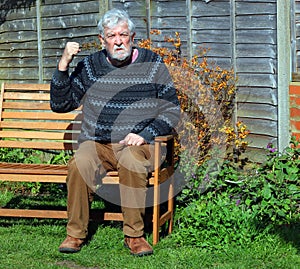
point(118, 41)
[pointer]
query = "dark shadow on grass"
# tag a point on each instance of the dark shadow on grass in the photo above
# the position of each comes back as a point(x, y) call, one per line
point(57, 201)
point(21, 201)
point(290, 233)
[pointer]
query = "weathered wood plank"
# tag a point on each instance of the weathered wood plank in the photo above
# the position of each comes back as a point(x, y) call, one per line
point(21, 13)
point(256, 22)
point(260, 142)
point(257, 111)
point(54, 2)
point(21, 54)
point(68, 33)
point(74, 9)
point(19, 62)
point(213, 49)
point(222, 62)
point(11, 46)
point(257, 147)
point(256, 65)
point(19, 25)
point(250, 36)
point(164, 9)
point(260, 126)
point(257, 95)
point(255, 7)
point(15, 74)
point(211, 36)
point(219, 22)
point(71, 21)
point(256, 80)
point(22, 36)
point(256, 153)
point(213, 9)
point(256, 50)
point(168, 23)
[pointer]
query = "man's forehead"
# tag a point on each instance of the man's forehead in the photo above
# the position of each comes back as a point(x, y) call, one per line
point(122, 26)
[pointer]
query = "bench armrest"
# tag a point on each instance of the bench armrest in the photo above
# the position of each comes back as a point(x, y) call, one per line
point(163, 138)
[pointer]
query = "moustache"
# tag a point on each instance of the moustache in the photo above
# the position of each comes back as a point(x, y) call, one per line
point(119, 47)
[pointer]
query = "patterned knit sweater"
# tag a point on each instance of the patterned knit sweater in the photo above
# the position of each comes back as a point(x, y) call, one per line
point(138, 98)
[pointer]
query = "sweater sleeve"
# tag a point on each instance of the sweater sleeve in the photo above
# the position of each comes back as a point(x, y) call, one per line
point(169, 108)
point(66, 92)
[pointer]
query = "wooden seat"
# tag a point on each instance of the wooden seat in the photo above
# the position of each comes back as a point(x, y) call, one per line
point(27, 122)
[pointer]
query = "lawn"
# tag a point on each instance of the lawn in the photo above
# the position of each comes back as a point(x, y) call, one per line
point(32, 243)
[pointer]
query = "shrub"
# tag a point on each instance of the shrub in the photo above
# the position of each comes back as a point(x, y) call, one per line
point(206, 94)
point(239, 205)
point(214, 221)
point(273, 195)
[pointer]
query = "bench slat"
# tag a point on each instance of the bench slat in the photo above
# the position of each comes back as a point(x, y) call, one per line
point(27, 86)
point(33, 178)
point(27, 105)
point(33, 213)
point(26, 96)
point(57, 214)
point(40, 166)
point(39, 135)
point(75, 127)
point(38, 115)
point(38, 145)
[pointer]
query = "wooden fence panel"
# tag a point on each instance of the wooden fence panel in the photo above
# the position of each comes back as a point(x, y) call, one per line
point(239, 34)
point(255, 65)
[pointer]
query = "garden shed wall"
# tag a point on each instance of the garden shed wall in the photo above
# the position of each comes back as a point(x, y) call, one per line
point(240, 34)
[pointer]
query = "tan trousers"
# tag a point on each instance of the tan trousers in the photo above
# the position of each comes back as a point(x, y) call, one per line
point(133, 164)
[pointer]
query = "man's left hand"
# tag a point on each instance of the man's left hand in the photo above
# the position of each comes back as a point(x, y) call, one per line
point(133, 140)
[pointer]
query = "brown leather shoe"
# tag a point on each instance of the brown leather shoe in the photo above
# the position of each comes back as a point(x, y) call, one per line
point(71, 245)
point(138, 246)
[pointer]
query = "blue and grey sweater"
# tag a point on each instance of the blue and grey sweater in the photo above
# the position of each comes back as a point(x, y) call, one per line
point(138, 98)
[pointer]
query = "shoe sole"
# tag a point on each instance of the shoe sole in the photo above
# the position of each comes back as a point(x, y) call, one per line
point(145, 253)
point(68, 250)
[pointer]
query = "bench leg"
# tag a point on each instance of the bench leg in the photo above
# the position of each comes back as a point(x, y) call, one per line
point(171, 205)
point(156, 213)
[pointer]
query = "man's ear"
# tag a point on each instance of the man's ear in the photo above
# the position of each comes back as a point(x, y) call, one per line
point(132, 37)
point(101, 41)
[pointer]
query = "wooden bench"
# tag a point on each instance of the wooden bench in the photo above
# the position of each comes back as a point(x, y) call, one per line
point(27, 122)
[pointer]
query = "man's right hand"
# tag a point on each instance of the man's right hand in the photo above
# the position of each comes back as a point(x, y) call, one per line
point(71, 49)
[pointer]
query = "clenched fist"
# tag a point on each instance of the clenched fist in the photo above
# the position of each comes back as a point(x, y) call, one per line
point(71, 49)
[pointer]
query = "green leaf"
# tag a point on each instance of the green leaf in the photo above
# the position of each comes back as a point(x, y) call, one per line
point(266, 192)
point(248, 202)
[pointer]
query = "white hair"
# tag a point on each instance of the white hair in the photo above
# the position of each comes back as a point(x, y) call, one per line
point(113, 17)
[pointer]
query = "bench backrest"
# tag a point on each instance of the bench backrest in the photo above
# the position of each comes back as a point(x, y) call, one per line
point(26, 120)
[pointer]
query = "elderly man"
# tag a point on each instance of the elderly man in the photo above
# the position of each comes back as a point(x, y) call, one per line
point(128, 99)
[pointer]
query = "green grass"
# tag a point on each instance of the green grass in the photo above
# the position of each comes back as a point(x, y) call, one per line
point(33, 243)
